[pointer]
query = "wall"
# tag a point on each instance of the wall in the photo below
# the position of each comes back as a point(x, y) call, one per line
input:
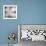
point(34, 12)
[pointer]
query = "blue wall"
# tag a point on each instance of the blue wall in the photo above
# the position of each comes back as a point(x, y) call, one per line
point(7, 26)
point(34, 12)
point(28, 12)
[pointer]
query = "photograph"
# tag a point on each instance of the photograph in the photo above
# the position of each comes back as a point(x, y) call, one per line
point(9, 11)
point(28, 34)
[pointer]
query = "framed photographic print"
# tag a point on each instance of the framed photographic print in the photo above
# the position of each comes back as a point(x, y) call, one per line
point(32, 32)
point(9, 11)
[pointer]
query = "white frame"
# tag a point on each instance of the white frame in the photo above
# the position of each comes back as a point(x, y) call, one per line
point(4, 10)
point(19, 32)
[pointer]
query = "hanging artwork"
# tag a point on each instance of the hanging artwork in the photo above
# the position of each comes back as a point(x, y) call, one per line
point(33, 32)
point(9, 11)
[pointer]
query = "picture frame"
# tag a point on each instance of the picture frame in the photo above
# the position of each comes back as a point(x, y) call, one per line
point(9, 11)
point(34, 30)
